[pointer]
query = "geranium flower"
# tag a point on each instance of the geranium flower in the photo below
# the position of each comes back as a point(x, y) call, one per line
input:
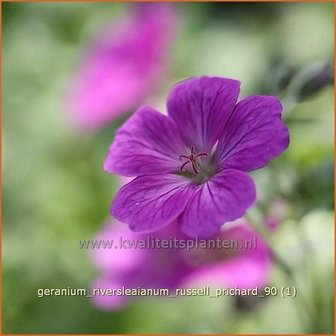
point(192, 164)
point(171, 268)
point(122, 67)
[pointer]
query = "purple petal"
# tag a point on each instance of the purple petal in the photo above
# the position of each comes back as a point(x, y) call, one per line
point(223, 198)
point(151, 202)
point(148, 143)
point(201, 106)
point(253, 135)
point(243, 272)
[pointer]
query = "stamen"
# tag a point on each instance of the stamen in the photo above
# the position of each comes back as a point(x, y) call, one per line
point(201, 154)
point(194, 167)
point(185, 163)
point(192, 159)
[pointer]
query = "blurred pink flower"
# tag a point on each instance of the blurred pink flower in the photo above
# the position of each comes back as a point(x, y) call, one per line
point(122, 67)
point(171, 268)
point(277, 212)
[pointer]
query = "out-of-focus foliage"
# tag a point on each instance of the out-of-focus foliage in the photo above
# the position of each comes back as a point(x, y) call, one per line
point(56, 193)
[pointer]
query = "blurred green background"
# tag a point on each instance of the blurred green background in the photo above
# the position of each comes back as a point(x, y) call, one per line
point(56, 193)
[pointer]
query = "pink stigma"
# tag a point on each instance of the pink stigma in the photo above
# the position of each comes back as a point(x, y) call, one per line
point(192, 159)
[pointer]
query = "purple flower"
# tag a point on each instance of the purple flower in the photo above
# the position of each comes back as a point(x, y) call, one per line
point(171, 268)
point(122, 67)
point(192, 165)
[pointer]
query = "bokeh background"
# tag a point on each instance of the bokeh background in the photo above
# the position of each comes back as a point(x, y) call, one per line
point(56, 193)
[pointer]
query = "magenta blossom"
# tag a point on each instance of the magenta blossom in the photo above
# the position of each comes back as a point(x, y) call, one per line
point(171, 268)
point(192, 165)
point(122, 68)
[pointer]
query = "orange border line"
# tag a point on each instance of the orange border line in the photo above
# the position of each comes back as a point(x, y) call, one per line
point(247, 1)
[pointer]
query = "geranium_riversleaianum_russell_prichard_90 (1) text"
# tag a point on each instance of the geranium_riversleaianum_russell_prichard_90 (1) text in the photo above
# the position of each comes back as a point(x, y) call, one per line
point(192, 165)
point(176, 267)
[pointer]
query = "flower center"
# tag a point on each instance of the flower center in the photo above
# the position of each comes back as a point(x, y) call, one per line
point(192, 159)
point(198, 166)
